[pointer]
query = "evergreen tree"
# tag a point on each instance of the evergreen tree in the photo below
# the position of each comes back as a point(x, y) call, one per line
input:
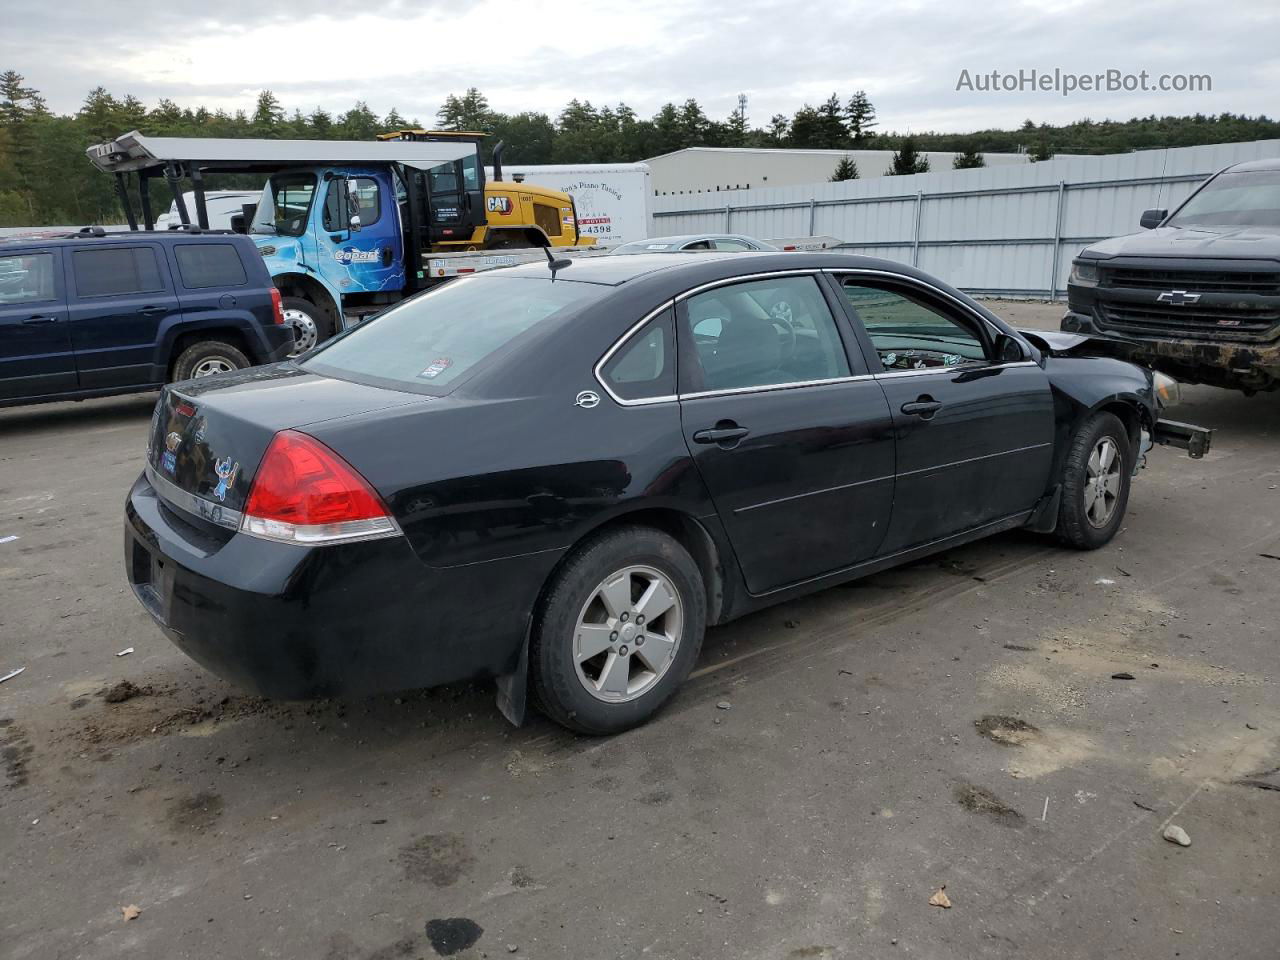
point(1040, 151)
point(907, 160)
point(321, 124)
point(968, 159)
point(394, 121)
point(846, 169)
point(861, 116)
point(831, 134)
point(268, 115)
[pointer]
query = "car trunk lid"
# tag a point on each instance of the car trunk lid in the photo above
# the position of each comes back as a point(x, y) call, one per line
point(208, 436)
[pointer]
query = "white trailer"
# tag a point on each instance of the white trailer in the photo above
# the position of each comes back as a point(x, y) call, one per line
point(613, 200)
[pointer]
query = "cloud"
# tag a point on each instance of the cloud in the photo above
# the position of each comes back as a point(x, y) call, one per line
point(538, 54)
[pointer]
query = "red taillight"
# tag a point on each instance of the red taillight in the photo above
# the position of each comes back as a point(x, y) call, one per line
point(277, 307)
point(305, 493)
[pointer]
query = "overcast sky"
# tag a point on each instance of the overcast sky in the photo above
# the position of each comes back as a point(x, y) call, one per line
point(537, 55)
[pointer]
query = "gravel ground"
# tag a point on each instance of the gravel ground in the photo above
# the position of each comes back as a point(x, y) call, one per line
point(953, 724)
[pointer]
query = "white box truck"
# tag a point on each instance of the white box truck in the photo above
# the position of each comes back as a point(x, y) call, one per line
point(614, 201)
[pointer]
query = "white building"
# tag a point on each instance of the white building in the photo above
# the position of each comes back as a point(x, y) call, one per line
point(713, 169)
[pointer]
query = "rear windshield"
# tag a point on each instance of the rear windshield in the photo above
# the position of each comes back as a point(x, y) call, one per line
point(1247, 198)
point(428, 343)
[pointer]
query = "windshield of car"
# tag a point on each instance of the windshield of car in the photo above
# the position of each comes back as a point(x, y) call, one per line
point(427, 343)
point(1247, 198)
point(285, 203)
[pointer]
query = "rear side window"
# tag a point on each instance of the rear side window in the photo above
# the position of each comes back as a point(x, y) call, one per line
point(427, 343)
point(210, 265)
point(116, 270)
point(645, 366)
point(27, 278)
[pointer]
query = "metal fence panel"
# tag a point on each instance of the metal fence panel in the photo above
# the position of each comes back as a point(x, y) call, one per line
point(1006, 229)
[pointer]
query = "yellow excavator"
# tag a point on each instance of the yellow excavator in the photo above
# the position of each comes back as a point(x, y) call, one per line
point(467, 211)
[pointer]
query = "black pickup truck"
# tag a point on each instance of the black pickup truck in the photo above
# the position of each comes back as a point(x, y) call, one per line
point(1197, 296)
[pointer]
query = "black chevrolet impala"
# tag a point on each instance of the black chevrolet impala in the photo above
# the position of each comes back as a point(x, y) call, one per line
point(560, 478)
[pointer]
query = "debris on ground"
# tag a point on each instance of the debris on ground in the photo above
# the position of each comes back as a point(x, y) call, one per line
point(1104, 582)
point(723, 705)
point(940, 899)
point(790, 624)
point(11, 674)
point(1142, 806)
point(512, 948)
point(131, 912)
point(9, 539)
point(1251, 726)
point(1006, 731)
point(122, 691)
point(125, 652)
point(1175, 834)
point(1122, 676)
point(982, 801)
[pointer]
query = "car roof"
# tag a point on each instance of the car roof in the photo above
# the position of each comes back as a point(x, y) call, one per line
point(46, 238)
point(1270, 163)
point(687, 237)
point(615, 270)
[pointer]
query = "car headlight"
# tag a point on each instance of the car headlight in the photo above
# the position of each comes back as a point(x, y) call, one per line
point(1168, 391)
point(1084, 273)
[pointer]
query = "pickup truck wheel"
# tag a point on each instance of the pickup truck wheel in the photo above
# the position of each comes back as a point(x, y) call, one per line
point(206, 358)
point(1095, 483)
point(310, 324)
point(618, 632)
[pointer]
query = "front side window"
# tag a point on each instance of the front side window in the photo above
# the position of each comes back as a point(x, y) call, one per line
point(426, 344)
point(645, 366)
point(27, 278)
point(114, 271)
point(910, 334)
point(363, 200)
point(285, 205)
point(737, 246)
point(761, 333)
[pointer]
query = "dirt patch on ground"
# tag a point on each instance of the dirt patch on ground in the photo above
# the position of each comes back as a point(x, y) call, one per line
point(124, 690)
point(132, 712)
point(1006, 731)
point(439, 859)
point(194, 814)
point(982, 801)
point(15, 752)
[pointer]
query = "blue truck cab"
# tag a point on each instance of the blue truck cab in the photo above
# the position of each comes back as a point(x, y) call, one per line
point(95, 314)
point(331, 238)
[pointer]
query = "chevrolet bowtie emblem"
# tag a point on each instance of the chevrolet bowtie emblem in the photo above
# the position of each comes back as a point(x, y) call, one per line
point(1178, 298)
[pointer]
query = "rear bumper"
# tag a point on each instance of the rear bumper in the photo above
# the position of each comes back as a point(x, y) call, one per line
point(1221, 363)
point(294, 622)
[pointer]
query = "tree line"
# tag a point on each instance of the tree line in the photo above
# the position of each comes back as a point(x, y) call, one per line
point(46, 179)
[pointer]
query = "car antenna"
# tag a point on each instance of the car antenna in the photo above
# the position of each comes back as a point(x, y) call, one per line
point(553, 264)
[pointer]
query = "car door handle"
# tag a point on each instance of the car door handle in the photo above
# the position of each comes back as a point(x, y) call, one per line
point(150, 309)
point(924, 407)
point(39, 319)
point(720, 435)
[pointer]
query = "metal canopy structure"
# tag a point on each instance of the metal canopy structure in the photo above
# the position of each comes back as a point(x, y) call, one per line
point(134, 152)
point(193, 157)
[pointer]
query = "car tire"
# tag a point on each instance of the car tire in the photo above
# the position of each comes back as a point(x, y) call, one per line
point(311, 325)
point(206, 358)
point(1095, 483)
point(601, 592)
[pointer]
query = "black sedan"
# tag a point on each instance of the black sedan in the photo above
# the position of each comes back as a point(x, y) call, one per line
point(561, 478)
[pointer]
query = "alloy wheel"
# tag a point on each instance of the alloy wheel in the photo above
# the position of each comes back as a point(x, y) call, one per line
point(211, 365)
point(1102, 482)
point(627, 634)
point(305, 331)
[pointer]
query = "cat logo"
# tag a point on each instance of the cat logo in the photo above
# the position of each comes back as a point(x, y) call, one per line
point(500, 205)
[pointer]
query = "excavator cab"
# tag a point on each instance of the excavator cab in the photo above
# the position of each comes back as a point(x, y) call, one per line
point(453, 192)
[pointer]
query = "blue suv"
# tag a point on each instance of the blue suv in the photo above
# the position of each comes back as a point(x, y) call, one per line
point(96, 314)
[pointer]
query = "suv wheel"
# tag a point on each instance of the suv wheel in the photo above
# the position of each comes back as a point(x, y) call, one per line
point(310, 324)
point(619, 631)
point(1095, 483)
point(206, 358)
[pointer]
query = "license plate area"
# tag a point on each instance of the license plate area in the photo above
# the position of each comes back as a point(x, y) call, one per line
point(146, 576)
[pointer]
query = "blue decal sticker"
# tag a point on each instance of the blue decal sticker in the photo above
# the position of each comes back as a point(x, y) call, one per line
point(226, 471)
point(168, 462)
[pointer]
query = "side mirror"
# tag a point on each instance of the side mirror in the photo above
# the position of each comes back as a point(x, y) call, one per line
point(1152, 218)
point(1009, 350)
